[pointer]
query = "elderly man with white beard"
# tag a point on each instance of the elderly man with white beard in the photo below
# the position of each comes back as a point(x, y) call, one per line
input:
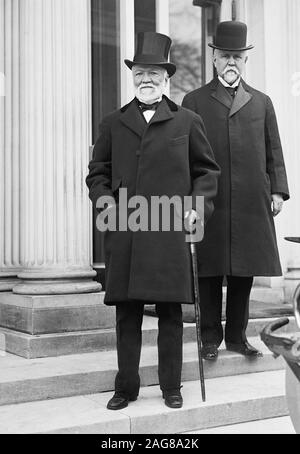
point(240, 240)
point(152, 148)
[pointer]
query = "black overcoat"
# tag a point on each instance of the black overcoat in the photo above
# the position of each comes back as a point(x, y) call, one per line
point(168, 156)
point(240, 237)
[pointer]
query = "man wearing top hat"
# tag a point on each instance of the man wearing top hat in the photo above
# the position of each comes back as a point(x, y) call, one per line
point(150, 147)
point(240, 240)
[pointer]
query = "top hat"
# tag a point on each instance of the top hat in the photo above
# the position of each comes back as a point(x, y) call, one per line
point(231, 36)
point(152, 49)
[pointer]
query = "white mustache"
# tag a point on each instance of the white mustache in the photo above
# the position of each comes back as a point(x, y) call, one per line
point(231, 69)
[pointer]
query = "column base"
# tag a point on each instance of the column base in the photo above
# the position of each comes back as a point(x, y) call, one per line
point(8, 280)
point(56, 282)
point(55, 314)
point(7, 284)
point(49, 345)
point(42, 326)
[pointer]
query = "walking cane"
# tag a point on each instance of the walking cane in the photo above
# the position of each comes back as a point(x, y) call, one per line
point(198, 316)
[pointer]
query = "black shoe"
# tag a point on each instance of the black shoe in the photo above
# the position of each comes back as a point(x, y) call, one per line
point(119, 401)
point(210, 352)
point(244, 349)
point(173, 398)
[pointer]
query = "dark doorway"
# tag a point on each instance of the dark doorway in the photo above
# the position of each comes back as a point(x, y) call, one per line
point(105, 87)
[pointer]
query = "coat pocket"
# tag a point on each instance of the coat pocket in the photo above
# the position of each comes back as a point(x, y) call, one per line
point(177, 156)
point(182, 140)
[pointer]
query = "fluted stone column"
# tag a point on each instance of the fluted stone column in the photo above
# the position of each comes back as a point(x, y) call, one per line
point(9, 152)
point(264, 19)
point(280, 85)
point(292, 112)
point(54, 139)
point(55, 307)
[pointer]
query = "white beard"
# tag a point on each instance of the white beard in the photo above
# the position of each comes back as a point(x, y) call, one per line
point(153, 96)
point(231, 77)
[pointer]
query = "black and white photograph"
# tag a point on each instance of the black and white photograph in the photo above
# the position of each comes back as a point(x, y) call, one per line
point(149, 220)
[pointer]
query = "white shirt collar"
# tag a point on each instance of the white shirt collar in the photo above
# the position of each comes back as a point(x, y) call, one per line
point(223, 82)
point(152, 102)
point(148, 114)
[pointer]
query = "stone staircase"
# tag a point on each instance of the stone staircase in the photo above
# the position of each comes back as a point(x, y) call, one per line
point(68, 394)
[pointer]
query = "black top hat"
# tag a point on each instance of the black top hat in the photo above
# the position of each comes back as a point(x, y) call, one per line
point(152, 49)
point(232, 36)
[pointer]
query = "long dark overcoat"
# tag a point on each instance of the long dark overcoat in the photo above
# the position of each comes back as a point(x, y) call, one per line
point(240, 237)
point(168, 156)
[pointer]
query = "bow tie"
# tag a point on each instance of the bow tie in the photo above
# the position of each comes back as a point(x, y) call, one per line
point(144, 106)
point(231, 90)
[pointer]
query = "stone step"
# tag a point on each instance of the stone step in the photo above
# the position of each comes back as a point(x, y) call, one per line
point(267, 294)
point(230, 400)
point(265, 305)
point(277, 426)
point(23, 380)
point(68, 343)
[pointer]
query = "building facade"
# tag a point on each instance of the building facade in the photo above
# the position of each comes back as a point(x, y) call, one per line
point(61, 71)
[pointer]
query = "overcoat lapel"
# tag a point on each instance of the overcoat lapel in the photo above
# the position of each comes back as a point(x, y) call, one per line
point(132, 118)
point(241, 98)
point(163, 113)
point(220, 94)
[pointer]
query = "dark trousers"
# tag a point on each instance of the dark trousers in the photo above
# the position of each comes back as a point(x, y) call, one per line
point(237, 308)
point(129, 317)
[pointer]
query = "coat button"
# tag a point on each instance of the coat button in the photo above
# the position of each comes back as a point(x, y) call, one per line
point(138, 153)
